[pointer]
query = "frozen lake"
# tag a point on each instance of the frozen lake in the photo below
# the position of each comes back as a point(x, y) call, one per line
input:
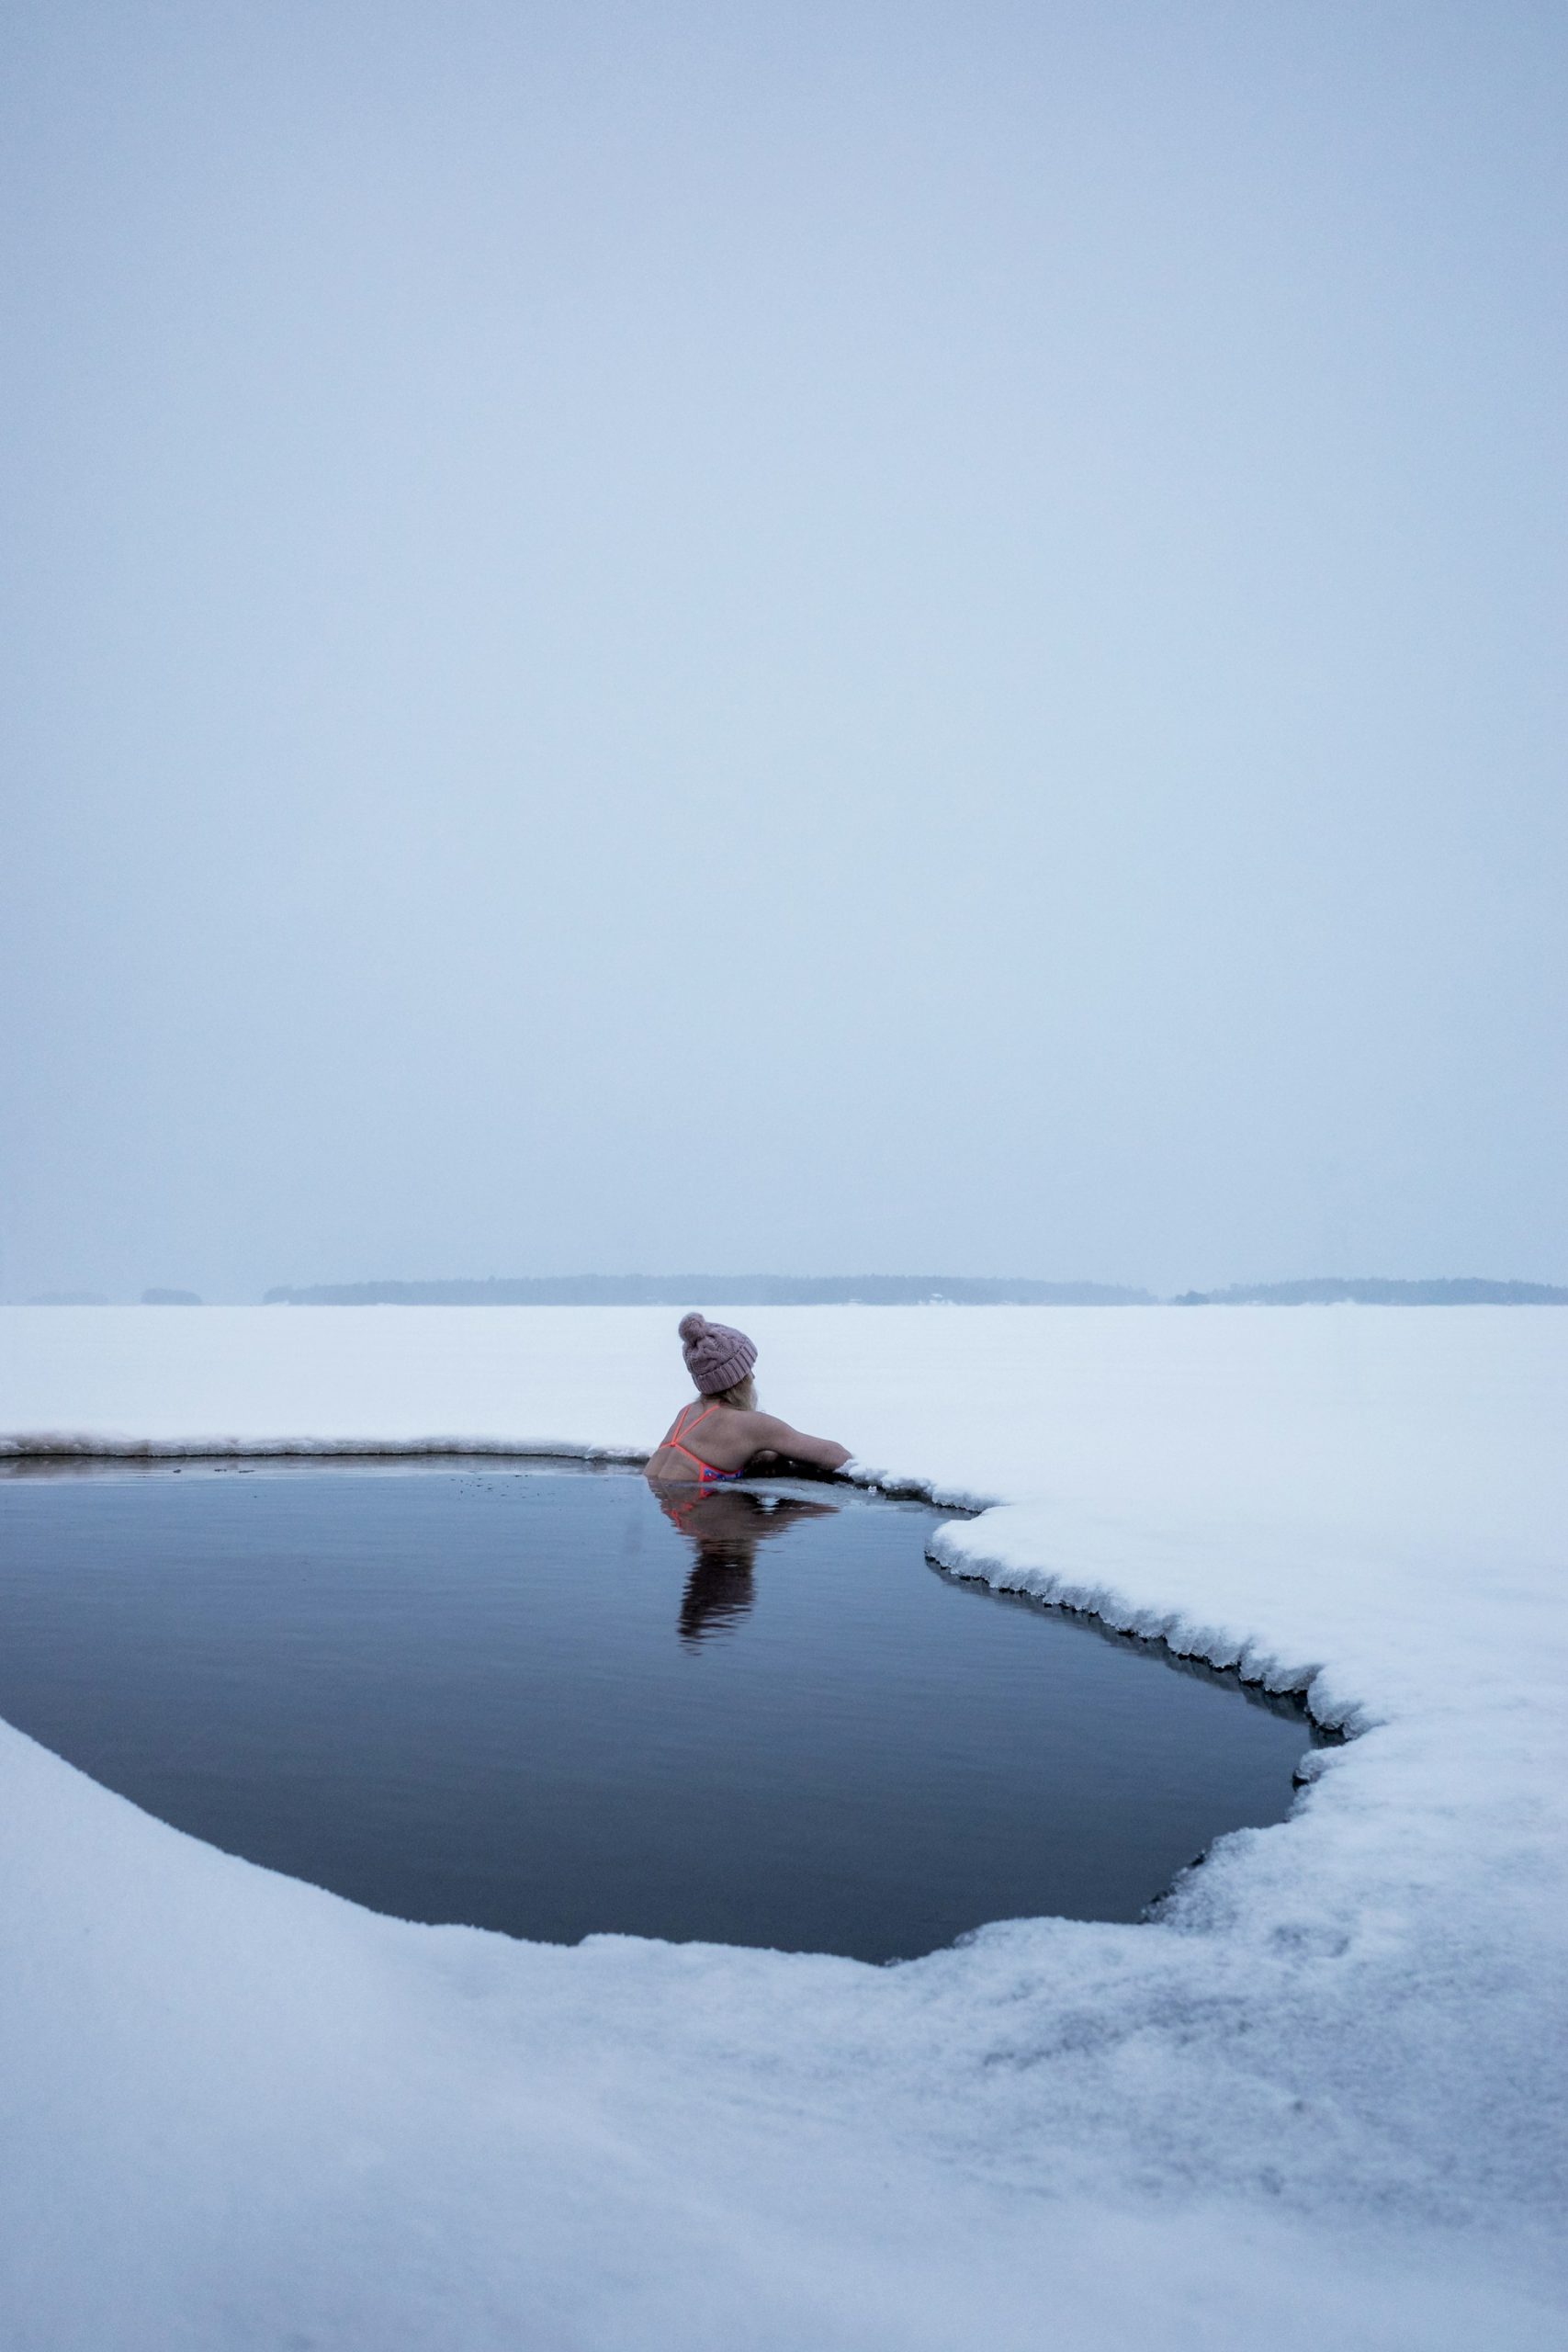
point(524, 1698)
point(1324, 2084)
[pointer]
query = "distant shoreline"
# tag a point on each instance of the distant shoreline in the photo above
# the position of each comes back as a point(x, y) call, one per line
point(745, 1291)
point(718, 1290)
point(904, 1290)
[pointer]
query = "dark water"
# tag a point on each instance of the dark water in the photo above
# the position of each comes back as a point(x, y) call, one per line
point(525, 1700)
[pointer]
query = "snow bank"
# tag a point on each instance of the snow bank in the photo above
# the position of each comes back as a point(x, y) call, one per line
point(1322, 2098)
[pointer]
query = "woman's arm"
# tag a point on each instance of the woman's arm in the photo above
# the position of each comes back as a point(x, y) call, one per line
point(768, 1434)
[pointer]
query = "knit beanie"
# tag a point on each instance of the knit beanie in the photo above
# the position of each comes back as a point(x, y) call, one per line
point(716, 1356)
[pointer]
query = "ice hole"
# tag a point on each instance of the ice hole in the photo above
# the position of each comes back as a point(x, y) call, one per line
point(525, 1698)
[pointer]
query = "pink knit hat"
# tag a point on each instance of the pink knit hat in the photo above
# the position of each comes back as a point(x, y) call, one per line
point(717, 1356)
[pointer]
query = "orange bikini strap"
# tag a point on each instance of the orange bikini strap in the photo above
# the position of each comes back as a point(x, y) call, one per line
point(683, 1428)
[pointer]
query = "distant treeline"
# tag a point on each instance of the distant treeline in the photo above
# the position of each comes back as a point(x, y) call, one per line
point(1338, 1290)
point(896, 1290)
point(715, 1290)
point(862, 1290)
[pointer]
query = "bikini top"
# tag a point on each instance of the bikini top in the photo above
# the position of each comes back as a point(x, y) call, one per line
point(708, 1475)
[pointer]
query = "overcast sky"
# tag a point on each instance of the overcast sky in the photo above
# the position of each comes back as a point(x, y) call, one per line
point(818, 638)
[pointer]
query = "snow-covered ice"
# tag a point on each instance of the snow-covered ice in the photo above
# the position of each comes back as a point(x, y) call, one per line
point(1321, 2100)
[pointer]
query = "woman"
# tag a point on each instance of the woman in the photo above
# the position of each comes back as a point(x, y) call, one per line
point(720, 1433)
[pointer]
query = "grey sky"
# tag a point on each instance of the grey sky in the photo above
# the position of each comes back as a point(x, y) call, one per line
point(823, 638)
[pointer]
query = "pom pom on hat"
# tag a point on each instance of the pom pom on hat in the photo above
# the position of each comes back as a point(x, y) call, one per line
point(717, 1356)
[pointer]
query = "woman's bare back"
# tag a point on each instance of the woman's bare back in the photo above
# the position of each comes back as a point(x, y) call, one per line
point(727, 1438)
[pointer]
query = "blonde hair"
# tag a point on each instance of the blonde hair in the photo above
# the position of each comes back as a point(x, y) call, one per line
point(742, 1395)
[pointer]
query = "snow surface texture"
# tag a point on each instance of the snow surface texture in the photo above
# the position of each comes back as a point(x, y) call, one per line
point(1321, 2100)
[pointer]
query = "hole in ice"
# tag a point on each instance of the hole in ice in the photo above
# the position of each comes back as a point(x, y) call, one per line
point(523, 1698)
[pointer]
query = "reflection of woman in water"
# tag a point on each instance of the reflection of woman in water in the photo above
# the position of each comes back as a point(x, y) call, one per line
point(725, 1527)
point(712, 1442)
point(721, 1434)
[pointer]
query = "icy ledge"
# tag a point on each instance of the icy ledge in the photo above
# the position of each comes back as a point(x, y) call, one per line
point(1321, 2097)
point(960, 1552)
point(81, 1446)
